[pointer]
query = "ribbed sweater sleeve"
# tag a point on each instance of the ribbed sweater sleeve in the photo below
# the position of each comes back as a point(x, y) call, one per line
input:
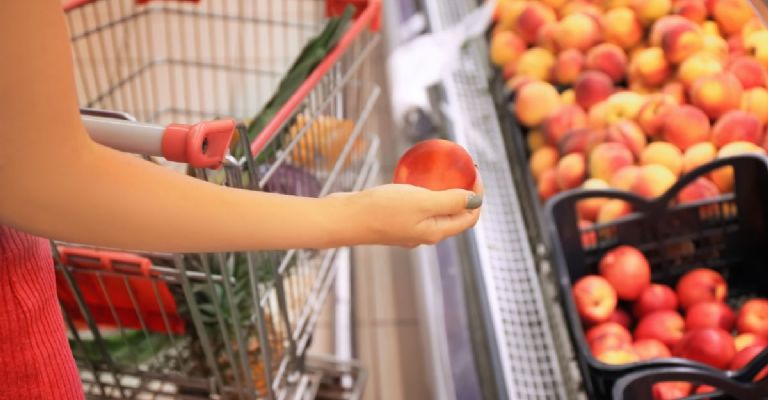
point(35, 358)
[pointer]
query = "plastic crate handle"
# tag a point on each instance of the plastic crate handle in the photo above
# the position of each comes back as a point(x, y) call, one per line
point(638, 385)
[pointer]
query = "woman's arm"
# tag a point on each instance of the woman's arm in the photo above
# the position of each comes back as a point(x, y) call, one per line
point(56, 182)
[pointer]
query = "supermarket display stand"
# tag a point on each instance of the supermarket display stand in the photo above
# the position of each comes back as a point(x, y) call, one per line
point(486, 307)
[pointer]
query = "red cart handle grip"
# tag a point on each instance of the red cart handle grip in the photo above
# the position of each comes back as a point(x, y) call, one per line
point(203, 145)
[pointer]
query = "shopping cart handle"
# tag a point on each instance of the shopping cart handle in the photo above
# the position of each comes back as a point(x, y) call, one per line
point(202, 145)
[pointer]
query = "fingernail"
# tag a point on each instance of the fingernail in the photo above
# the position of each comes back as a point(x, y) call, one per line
point(474, 201)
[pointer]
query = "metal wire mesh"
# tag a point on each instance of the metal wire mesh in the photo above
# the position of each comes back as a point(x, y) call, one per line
point(230, 324)
point(520, 327)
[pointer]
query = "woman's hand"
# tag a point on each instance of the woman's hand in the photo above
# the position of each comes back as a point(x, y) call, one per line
point(406, 215)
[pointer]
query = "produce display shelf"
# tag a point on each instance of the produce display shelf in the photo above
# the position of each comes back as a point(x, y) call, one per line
point(519, 333)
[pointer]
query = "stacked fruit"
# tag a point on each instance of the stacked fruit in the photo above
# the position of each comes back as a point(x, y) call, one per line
point(629, 94)
point(690, 320)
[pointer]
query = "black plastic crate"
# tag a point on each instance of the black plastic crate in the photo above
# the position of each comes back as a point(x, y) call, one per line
point(729, 234)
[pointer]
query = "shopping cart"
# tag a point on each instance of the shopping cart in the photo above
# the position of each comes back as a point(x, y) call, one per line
point(188, 77)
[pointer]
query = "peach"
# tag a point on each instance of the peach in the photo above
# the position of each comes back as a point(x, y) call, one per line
point(723, 177)
point(506, 47)
point(580, 7)
point(755, 101)
point(611, 4)
point(575, 141)
point(628, 133)
point(676, 90)
point(571, 171)
point(617, 356)
point(508, 12)
point(731, 15)
point(716, 94)
point(663, 25)
point(627, 270)
point(554, 4)
point(624, 178)
point(685, 126)
point(568, 96)
point(700, 189)
point(608, 58)
point(715, 46)
point(745, 356)
point(698, 66)
point(516, 82)
point(753, 317)
point(547, 37)
point(653, 180)
point(756, 45)
point(664, 154)
point(652, 114)
point(737, 126)
point(542, 160)
point(694, 10)
point(536, 63)
point(650, 66)
point(612, 210)
point(508, 71)
point(568, 67)
point(608, 335)
point(655, 297)
point(578, 31)
point(671, 390)
point(620, 317)
point(591, 87)
point(698, 155)
point(753, 25)
point(589, 208)
point(700, 285)
point(711, 346)
point(641, 88)
point(681, 41)
point(666, 326)
point(649, 11)
point(562, 120)
point(532, 17)
point(607, 158)
point(536, 101)
point(617, 107)
point(748, 71)
point(744, 340)
point(710, 314)
point(595, 298)
point(535, 140)
point(588, 237)
point(650, 349)
point(622, 27)
point(737, 46)
point(547, 184)
point(710, 28)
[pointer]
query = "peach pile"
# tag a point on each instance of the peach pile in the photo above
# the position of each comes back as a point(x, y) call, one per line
point(628, 318)
point(642, 91)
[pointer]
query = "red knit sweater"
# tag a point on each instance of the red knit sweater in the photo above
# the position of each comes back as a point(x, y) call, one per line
point(35, 359)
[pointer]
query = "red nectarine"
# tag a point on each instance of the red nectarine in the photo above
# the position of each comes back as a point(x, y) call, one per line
point(436, 164)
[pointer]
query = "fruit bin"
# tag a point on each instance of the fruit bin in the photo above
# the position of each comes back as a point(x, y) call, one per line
point(224, 325)
point(727, 234)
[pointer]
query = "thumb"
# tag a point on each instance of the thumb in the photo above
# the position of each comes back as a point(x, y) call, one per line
point(453, 201)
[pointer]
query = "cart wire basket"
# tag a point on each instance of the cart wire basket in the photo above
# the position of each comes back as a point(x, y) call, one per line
point(201, 87)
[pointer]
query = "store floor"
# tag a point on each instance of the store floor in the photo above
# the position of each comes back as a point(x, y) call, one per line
point(387, 335)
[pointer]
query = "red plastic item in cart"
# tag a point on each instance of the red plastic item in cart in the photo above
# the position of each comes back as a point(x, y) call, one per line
point(135, 294)
point(334, 8)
